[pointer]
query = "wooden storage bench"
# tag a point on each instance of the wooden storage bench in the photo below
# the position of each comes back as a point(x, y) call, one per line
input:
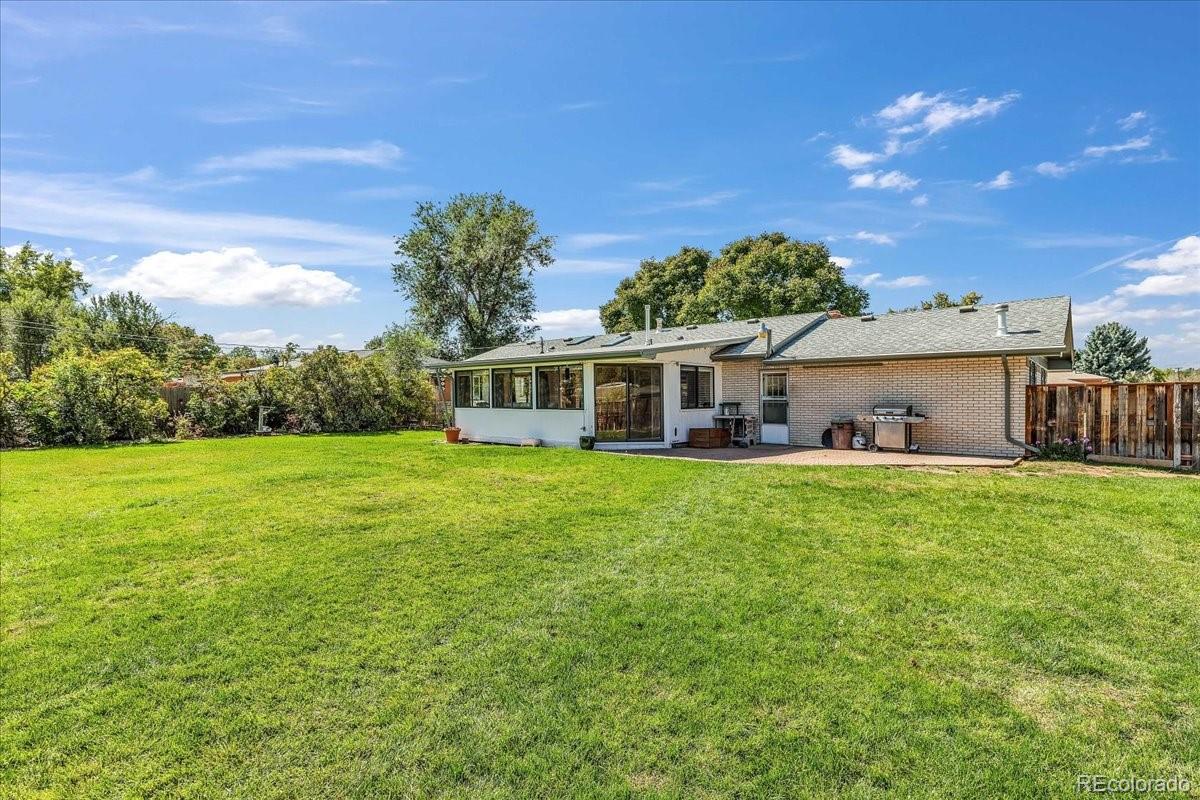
point(708, 437)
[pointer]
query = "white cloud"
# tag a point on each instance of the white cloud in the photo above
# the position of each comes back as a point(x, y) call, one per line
point(375, 154)
point(865, 236)
point(671, 185)
point(582, 105)
point(930, 114)
point(588, 241)
point(846, 156)
point(851, 158)
point(456, 80)
point(568, 321)
point(1132, 121)
point(906, 282)
point(1177, 272)
point(1176, 275)
point(90, 207)
point(259, 337)
point(842, 261)
point(1183, 257)
point(902, 282)
point(1099, 151)
point(232, 276)
point(1179, 348)
point(1002, 181)
point(895, 180)
point(1163, 285)
point(702, 201)
point(1054, 170)
point(921, 200)
point(1053, 240)
point(1110, 307)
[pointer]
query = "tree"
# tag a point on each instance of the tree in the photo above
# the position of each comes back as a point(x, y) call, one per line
point(1115, 351)
point(466, 267)
point(772, 274)
point(27, 269)
point(37, 305)
point(943, 300)
point(666, 286)
point(187, 350)
point(403, 347)
point(117, 321)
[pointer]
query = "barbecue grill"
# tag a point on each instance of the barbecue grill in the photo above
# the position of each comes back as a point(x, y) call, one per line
point(892, 427)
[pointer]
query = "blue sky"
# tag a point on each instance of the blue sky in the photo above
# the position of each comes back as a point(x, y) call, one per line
point(247, 165)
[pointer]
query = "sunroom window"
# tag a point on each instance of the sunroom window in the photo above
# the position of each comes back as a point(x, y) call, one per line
point(560, 387)
point(512, 388)
point(471, 389)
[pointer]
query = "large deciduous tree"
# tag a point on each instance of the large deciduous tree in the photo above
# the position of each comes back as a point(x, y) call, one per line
point(38, 296)
point(772, 274)
point(117, 320)
point(765, 275)
point(666, 286)
point(1115, 351)
point(466, 267)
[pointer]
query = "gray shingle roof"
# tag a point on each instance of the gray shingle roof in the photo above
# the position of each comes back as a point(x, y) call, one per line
point(742, 334)
point(1033, 326)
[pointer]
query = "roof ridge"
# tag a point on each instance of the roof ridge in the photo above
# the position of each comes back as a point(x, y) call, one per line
point(980, 304)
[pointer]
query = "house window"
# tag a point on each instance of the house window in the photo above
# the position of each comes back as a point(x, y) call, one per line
point(695, 387)
point(471, 389)
point(512, 388)
point(560, 387)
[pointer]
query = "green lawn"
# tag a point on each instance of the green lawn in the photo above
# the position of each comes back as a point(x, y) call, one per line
point(384, 616)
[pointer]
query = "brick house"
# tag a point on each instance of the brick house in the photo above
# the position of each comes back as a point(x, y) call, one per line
point(792, 374)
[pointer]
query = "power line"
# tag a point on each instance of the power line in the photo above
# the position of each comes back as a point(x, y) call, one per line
point(46, 326)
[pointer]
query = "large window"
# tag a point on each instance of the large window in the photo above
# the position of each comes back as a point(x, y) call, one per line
point(629, 403)
point(695, 387)
point(560, 387)
point(512, 388)
point(471, 389)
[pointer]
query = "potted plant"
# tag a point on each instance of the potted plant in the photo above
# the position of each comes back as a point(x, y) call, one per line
point(587, 442)
point(452, 432)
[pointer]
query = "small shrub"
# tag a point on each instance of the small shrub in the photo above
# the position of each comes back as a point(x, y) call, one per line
point(1067, 449)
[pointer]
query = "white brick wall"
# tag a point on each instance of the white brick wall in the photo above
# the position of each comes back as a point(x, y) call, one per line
point(963, 399)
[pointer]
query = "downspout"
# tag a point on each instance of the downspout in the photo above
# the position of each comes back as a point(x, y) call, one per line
point(1008, 411)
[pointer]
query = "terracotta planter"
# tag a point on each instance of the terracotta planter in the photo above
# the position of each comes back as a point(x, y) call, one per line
point(452, 435)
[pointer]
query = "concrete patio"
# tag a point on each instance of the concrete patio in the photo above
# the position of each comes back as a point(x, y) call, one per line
point(821, 457)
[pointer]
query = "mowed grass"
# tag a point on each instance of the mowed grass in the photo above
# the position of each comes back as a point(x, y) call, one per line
point(387, 616)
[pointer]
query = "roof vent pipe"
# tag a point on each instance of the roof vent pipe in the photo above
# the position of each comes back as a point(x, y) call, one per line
point(764, 333)
point(1002, 319)
point(647, 328)
point(658, 324)
point(542, 343)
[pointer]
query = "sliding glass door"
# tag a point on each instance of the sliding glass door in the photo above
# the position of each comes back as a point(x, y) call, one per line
point(629, 403)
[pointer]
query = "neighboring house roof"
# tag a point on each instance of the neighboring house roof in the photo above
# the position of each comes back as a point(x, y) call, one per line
point(1035, 327)
point(1069, 376)
point(431, 363)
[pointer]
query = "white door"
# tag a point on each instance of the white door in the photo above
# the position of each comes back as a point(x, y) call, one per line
point(774, 408)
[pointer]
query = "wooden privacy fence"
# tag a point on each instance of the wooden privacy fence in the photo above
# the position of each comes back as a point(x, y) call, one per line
point(1152, 423)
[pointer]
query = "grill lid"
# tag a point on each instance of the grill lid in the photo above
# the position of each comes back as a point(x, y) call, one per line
point(892, 411)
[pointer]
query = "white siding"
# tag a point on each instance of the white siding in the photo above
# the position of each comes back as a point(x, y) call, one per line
point(563, 428)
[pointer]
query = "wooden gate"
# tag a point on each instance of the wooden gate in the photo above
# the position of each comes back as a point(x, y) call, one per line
point(1151, 423)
